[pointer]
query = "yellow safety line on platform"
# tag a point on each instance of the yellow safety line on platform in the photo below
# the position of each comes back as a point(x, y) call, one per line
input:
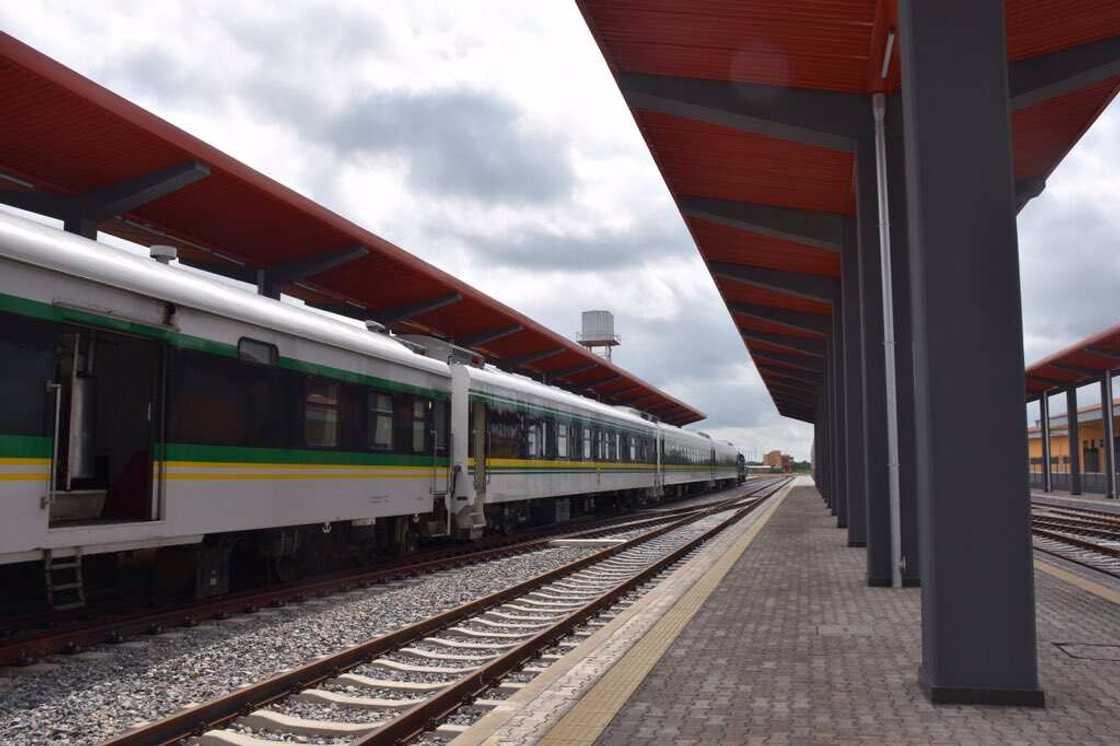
point(595, 710)
point(1084, 584)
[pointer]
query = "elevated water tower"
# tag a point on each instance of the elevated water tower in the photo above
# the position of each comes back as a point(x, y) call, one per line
point(597, 334)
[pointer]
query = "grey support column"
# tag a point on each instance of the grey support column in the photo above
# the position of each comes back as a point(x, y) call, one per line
point(1109, 435)
point(855, 467)
point(1044, 432)
point(1073, 431)
point(878, 519)
point(903, 339)
point(979, 642)
point(830, 393)
point(840, 391)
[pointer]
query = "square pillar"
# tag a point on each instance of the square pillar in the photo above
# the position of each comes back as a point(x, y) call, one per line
point(979, 642)
point(840, 392)
point(1073, 430)
point(1109, 435)
point(855, 467)
point(1044, 432)
point(877, 486)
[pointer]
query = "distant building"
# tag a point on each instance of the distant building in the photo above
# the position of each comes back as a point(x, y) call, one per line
point(778, 460)
point(1091, 432)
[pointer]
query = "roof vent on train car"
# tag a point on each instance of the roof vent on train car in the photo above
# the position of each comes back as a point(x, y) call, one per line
point(703, 435)
point(442, 350)
point(376, 327)
point(163, 253)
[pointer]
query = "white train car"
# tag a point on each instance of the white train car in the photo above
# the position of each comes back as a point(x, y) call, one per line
point(542, 443)
point(693, 458)
point(152, 411)
point(145, 405)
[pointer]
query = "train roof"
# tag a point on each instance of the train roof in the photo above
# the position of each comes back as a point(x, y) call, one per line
point(33, 243)
point(529, 387)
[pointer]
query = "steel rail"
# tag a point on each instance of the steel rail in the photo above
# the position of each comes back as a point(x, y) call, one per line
point(225, 708)
point(22, 650)
point(419, 718)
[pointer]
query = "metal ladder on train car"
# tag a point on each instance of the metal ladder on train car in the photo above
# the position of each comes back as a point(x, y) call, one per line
point(63, 575)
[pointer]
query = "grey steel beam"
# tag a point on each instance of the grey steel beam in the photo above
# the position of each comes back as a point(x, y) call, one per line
point(804, 376)
point(1113, 356)
point(812, 287)
point(270, 280)
point(1073, 437)
point(809, 322)
point(1079, 369)
point(1038, 79)
point(979, 642)
point(600, 381)
point(568, 372)
point(1053, 382)
point(807, 393)
point(412, 310)
point(806, 345)
point(821, 118)
point(490, 335)
point(1109, 446)
point(1044, 435)
point(533, 357)
point(81, 213)
point(804, 362)
point(820, 230)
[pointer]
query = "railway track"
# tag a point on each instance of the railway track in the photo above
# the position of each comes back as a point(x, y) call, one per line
point(72, 634)
point(1087, 537)
point(397, 686)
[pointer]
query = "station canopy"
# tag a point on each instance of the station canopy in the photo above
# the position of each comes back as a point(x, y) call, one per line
point(747, 108)
point(74, 150)
point(1080, 364)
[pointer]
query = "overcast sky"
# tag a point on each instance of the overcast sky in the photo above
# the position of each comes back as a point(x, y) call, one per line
point(489, 139)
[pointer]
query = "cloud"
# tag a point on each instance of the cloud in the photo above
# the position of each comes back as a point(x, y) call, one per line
point(461, 143)
point(496, 146)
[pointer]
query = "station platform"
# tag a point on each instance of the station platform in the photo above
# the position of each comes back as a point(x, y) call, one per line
point(1090, 501)
point(789, 645)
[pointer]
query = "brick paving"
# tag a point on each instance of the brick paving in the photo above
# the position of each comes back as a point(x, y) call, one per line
point(792, 647)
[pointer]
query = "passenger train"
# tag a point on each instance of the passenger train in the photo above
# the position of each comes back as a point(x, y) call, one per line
point(154, 416)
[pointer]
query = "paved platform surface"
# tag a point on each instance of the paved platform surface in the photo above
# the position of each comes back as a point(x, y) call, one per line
point(792, 647)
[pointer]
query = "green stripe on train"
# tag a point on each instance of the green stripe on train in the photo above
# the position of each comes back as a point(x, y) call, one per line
point(48, 312)
point(25, 446)
point(237, 454)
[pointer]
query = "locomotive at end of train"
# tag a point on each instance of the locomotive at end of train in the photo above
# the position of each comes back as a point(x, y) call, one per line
point(160, 426)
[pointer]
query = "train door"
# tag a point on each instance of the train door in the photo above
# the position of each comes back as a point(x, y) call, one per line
point(478, 446)
point(441, 440)
point(106, 425)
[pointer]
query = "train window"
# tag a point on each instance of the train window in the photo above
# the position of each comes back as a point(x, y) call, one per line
point(207, 405)
point(505, 433)
point(419, 424)
point(27, 349)
point(266, 395)
point(532, 439)
point(255, 351)
point(562, 440)
point(439, 426)
point(587, 443)
point(379, 421)
point(633, 448)
point(322, 423)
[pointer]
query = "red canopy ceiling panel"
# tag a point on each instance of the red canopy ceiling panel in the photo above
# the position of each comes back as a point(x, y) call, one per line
point(65, 135)
point(720, 243)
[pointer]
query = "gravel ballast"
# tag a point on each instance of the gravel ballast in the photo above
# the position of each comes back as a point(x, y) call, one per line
point(87, 701)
